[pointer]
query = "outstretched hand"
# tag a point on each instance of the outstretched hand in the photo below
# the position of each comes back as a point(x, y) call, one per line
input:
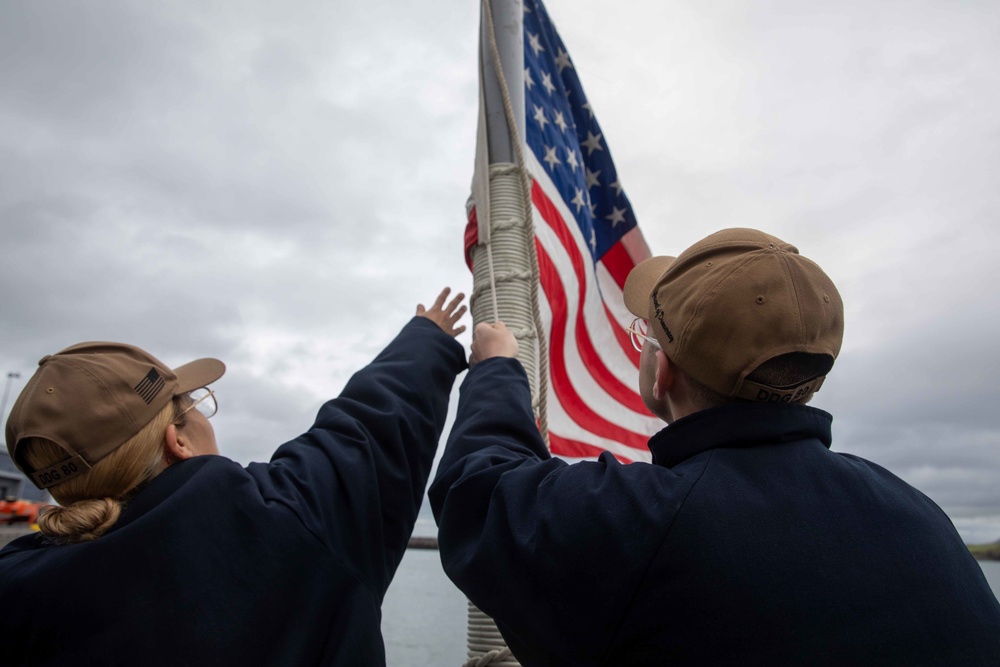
point(492, 340)
point(445, 316)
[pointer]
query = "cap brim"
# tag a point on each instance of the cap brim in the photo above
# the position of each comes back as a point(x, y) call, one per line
point(640, 282)
point(198, 373)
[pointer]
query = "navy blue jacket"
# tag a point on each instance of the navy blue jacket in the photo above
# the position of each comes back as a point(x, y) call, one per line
point(746, 542)
point(284, 563)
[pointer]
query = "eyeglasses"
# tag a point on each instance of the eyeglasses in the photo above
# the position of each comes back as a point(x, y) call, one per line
point(637, 334)
point(204, 400)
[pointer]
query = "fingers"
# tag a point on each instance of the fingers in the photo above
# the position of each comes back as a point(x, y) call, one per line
point(445, 316)
point(452, 312)
point(439, 302)
point(457, 315)
point(495, 326)
point(455, 302)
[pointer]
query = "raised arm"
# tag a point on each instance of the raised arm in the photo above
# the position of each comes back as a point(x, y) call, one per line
point(519, 529)
point(357, 477)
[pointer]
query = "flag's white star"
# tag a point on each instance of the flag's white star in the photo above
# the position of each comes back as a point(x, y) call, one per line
point(579, 200)
point(551, 157)
point(528, 81)
point(560, 121)
point(547, 83)
point(586, 105)
point(593, 240)
point(540, 116)
point(571, 159)
point(617, 216)
point(535, 44)
point(593, 143)
point(562, 60)
point(593, 209)
point(618, 188)
point(592, 177)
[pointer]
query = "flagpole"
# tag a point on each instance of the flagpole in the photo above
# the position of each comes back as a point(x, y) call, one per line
point(508, 33)
point(505, 266)
point(505, 274)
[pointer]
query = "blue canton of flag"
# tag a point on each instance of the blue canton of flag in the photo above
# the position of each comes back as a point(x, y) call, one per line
point(565, 136)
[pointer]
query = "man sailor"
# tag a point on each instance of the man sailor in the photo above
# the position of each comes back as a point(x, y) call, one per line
point(747, 540)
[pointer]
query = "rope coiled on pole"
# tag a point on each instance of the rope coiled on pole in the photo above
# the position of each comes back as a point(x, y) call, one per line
point(539, 388)
point(514, 298)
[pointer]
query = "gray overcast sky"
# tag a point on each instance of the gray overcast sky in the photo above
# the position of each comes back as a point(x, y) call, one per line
point(278, 184)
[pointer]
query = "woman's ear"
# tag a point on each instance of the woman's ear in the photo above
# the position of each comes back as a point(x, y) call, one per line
point(175, 446)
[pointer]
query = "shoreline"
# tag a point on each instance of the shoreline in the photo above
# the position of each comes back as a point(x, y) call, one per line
point(981, 552)
point(985, 551)
point(422, 543)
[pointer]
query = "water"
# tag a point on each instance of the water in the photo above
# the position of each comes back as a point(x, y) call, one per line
point(424, 617)
point(991, 568)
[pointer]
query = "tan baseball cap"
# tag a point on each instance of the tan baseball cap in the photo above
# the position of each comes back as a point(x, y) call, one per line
point(731, 302)
point(91, 398)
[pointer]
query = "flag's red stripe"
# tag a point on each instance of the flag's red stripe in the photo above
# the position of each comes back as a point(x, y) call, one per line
point(571, 402)
point(588, 354)
point(578, 450)
point(556, 295)
point(619, 267)
point(622, 336)
point(471, 236)
point(618, 263)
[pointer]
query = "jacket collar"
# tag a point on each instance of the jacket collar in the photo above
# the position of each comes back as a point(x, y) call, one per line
point(739, 425)
point(160, 488)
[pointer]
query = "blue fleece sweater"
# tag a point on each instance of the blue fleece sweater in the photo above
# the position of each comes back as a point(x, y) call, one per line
point(745, 542)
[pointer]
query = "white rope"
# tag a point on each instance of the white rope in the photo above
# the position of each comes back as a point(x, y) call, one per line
point(504, 286)
point(493, 284)
point(512, 247)
point(542, 371)
point(486, 646)
point(514, 293)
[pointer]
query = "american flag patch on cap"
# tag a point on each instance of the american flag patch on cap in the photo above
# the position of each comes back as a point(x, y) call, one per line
point(150, 386)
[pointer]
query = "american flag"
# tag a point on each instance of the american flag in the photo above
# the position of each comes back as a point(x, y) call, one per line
point(587, 240)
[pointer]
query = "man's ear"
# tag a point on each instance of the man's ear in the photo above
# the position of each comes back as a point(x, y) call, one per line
point(665, 376)
point(175, 445)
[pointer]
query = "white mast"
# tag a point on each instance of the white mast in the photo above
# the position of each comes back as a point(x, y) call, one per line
point(505, 275)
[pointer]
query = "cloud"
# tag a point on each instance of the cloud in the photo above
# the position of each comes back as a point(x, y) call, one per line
point(278, 185)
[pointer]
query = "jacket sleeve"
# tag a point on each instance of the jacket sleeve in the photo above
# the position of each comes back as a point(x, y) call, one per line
point(357, 477)
point(552, 552)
